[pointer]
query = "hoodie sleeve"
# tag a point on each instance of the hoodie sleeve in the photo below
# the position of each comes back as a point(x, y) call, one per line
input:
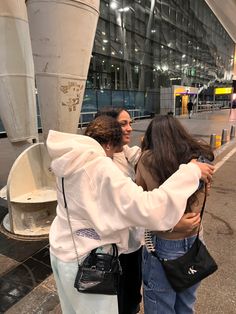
point(127, 205)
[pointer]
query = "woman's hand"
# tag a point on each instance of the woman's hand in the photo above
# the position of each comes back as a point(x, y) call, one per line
point(188, 222)
point(206, 170)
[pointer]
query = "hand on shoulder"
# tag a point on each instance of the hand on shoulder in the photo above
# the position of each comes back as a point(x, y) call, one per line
point(206, 170)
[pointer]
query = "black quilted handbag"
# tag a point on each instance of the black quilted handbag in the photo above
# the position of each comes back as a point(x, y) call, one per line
point(99, 273)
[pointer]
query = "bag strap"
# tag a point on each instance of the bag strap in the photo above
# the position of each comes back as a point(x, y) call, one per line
point(204, 201)
point(203, 207)
point(114, 251)
point(114, 246)
point(68, 218)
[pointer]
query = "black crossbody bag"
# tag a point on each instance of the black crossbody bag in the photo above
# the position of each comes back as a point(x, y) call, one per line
point(190, 268)
point(99, 273)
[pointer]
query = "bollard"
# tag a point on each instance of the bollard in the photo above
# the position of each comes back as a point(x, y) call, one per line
point(232, 132)
point(218, 141)
point(224, 136)
point(213, 141)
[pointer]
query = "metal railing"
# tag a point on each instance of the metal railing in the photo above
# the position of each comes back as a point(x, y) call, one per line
point(211, 106)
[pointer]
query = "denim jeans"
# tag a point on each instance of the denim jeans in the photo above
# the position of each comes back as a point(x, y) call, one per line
point(159, 297)
point(73, 302)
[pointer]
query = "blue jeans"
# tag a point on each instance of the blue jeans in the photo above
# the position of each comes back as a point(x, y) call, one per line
point(159, 297)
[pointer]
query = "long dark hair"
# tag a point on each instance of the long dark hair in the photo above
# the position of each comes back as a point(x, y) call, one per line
point(168, 145)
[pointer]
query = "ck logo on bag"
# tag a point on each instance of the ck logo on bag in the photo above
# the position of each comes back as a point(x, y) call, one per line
point(191, 270)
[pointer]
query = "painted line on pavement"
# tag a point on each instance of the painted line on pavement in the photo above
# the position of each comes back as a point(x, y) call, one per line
point(220, 163)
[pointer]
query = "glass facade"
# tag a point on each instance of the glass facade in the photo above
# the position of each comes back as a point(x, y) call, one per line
point(145, 44)
point(141, 45)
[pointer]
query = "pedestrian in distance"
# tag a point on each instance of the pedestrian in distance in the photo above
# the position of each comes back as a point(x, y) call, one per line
point(103, 205)
point(165, 146)
point(190, 108)
point(232, 114)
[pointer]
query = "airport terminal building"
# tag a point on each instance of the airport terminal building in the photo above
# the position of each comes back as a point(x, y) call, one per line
point(151, 56)
point(143, 46)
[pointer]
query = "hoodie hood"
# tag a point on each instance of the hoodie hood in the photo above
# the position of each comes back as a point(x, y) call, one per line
point(69, 152)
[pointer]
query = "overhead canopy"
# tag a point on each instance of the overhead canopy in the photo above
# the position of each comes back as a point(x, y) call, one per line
point(225, 11)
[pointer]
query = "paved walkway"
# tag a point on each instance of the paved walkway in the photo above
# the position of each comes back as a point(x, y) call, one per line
point(26, 283)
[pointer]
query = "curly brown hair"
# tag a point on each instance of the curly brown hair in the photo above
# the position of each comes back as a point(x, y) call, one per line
point(105, 129)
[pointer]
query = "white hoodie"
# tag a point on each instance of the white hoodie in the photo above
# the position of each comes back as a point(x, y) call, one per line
point(102, 202)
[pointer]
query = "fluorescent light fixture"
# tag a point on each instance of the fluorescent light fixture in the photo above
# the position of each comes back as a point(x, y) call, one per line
point(113, 5)
point(165, 68)
point(125, 9)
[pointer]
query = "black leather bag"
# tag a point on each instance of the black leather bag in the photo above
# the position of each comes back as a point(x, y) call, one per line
point(99, 273)
point(193, 266)
point(190, 268)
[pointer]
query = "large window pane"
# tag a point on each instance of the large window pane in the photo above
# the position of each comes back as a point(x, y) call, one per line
point(89, 102)
point(118, 98)
point(103, 99)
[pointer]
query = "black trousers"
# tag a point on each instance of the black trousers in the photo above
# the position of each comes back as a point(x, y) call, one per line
point(129, 292)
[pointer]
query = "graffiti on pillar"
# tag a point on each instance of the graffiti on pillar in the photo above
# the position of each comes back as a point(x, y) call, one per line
point(71, 94)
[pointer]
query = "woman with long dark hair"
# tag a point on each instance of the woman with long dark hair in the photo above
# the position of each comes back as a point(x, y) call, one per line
point(165, 146)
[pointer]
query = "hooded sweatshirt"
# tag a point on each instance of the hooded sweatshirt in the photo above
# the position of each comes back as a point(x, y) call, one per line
point(102, 202)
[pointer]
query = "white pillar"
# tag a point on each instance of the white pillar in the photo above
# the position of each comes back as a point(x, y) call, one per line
point(17, 88)
point(62, 35)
